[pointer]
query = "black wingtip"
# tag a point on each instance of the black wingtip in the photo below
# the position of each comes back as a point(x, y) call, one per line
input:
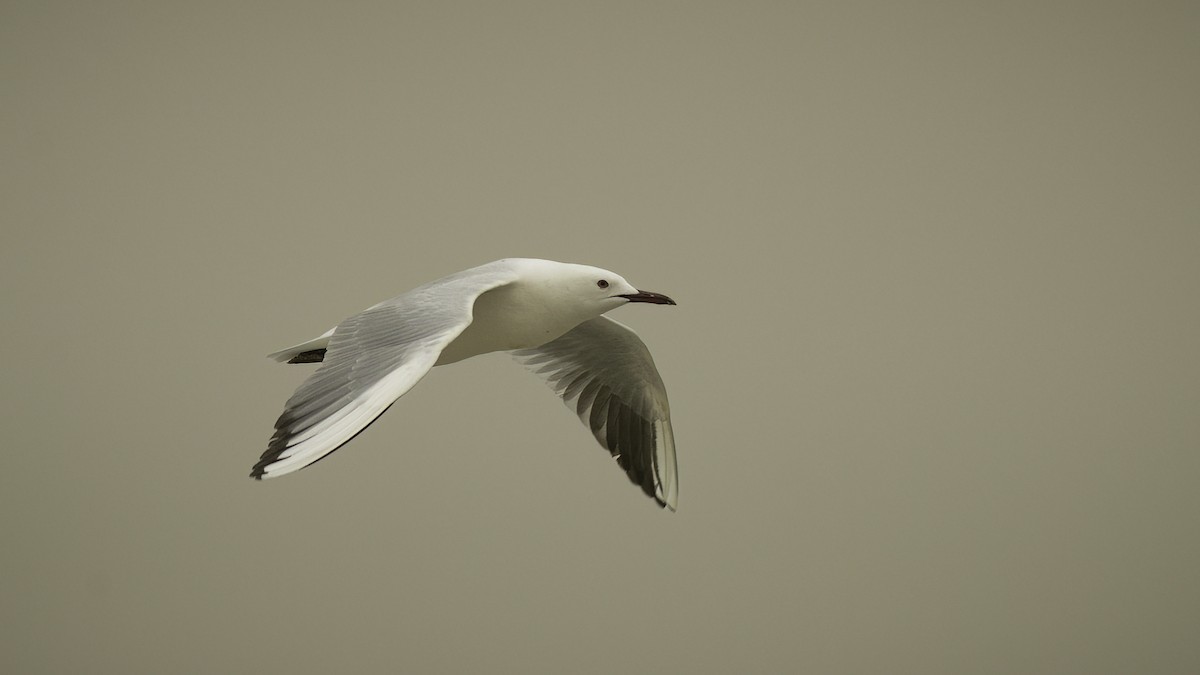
point(310, 356)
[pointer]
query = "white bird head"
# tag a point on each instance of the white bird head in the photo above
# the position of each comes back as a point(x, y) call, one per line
point(593, 288)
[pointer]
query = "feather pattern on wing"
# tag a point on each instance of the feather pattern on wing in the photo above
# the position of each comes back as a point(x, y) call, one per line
point(603, 371)
point(372, 359)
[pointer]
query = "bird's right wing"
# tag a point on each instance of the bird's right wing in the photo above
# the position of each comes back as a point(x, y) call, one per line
point(372, 359)
point(602, 370)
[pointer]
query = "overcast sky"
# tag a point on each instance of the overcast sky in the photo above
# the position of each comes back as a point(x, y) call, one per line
point(933, 370)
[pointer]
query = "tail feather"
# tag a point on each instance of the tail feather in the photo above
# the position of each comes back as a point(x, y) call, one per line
point(312, 351)
point(310, 356)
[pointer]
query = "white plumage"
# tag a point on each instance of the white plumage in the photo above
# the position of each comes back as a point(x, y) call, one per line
point(549, 314)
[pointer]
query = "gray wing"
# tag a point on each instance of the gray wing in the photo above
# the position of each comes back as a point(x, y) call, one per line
point(372, 359)
point(603, 371)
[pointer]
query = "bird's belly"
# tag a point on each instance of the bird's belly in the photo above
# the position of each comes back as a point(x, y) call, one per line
point(504, 321)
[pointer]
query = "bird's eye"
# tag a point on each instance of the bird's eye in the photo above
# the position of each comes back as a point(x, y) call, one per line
point(602, 283)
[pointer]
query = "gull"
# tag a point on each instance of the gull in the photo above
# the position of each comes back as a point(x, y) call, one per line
point(548, 315)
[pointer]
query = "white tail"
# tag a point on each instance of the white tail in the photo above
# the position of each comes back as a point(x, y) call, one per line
point(315, 343)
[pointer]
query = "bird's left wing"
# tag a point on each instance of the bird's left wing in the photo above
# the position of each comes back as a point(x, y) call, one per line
point(603, 371)
point(372, 359)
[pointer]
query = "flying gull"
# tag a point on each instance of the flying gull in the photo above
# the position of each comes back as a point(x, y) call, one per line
point(548, 315)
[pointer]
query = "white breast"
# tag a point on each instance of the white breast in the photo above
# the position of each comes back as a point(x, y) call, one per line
point(516, 316)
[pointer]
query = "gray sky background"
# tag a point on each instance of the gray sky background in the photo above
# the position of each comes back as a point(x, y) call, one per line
point(934, 368)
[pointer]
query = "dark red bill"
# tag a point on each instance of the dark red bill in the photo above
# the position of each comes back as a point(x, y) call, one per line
point(649, 296)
